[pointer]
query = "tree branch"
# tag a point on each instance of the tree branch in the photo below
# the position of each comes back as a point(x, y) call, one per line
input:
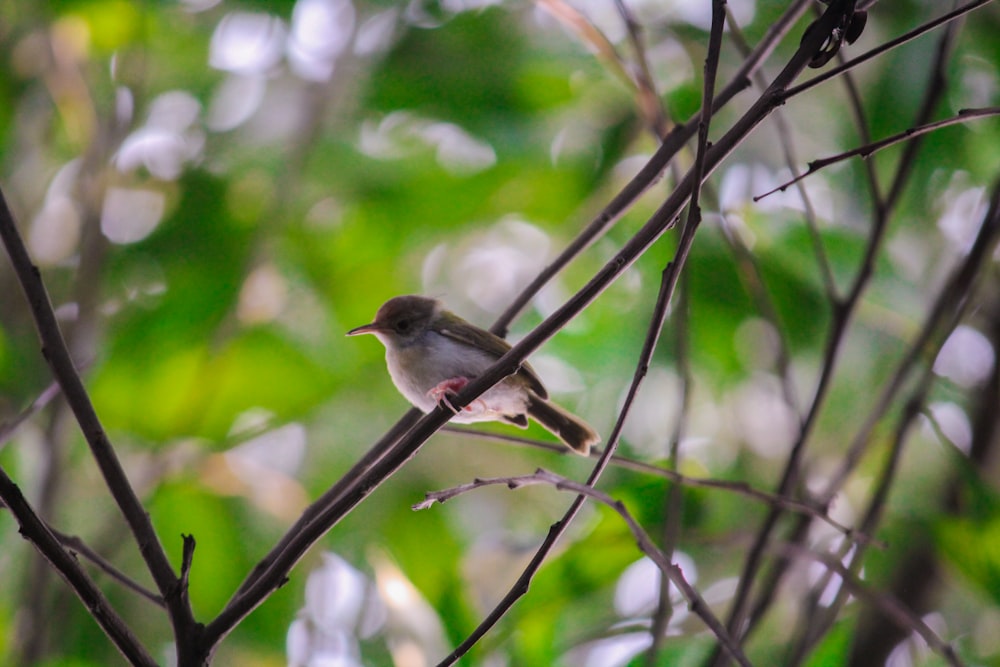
point(642, 538)
point(34, 530)
point(58, 357)
point(866, 151)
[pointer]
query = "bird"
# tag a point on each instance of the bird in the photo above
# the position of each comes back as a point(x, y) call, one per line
point(431, 354)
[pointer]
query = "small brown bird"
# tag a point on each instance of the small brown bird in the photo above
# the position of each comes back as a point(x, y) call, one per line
point(432, 353)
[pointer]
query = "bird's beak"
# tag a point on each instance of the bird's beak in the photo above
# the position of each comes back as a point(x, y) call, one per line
point(367, 328)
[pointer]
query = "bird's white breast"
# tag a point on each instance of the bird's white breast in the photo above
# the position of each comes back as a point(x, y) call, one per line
point(418, 368)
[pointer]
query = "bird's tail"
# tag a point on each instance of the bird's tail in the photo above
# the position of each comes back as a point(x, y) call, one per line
point(572, 430)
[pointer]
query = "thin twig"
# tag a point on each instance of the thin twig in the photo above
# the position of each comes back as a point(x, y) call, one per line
point(672, 524)
point(814, 619)
point(885, 46)
point(799, 532)
point(650, 172)
point(866, 151)
point(872, 515)
point(76, 545)
point(735, 622)
point(919, 573)
point(946, 307)
point(944, 315)
point(784, 134)
point(887, 604)
point(8, 428)
point(842, 314)
point(647, 99)
point(728, 486)
point(669, 570)
point(674, 501)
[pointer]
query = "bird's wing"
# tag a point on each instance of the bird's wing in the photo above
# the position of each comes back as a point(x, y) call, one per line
point(492, 344)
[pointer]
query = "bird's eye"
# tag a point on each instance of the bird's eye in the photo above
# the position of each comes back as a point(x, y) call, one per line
point(402, 325)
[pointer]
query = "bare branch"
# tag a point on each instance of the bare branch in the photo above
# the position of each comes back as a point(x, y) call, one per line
point(35, 531)
point(57, 355)
point(651, 171)
point(647, 99)
point(887, 604)
point(887, 46)
point(75, 544)
point(8, 428)
point(645, 543)
point(866, 151)
point(804, 507)
point(942, 317)
point(842, 314)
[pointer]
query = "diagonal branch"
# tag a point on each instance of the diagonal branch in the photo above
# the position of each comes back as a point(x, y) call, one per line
point(63, 369)
point(672, 143)
point(642, 538)
point(888, 605)
point(671, 275)
point(738, 487)
point(8, 428)
point(842, 314)
point(33, 529)
point(943, 315)
point(75, 544)
point(866, 151)
point(887, 46)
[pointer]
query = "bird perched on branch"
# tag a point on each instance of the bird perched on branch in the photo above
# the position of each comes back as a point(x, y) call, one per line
point(433, 353)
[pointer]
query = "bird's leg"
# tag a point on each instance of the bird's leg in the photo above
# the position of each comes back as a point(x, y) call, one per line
point(450, 387)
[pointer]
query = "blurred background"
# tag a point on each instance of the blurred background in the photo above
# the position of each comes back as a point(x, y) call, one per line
point(216, 191)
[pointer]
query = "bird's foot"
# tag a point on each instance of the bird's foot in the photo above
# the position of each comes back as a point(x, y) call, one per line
point(450, 387)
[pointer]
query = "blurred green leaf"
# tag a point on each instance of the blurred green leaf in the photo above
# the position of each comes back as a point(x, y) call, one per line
point(834, 649)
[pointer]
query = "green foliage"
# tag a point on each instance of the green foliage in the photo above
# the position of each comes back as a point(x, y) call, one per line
point(979, 565)
point(431, 72)
point(292, 207)
point(833, 650)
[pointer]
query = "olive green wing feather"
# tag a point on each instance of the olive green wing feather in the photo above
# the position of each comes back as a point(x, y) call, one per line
point(459, 330)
